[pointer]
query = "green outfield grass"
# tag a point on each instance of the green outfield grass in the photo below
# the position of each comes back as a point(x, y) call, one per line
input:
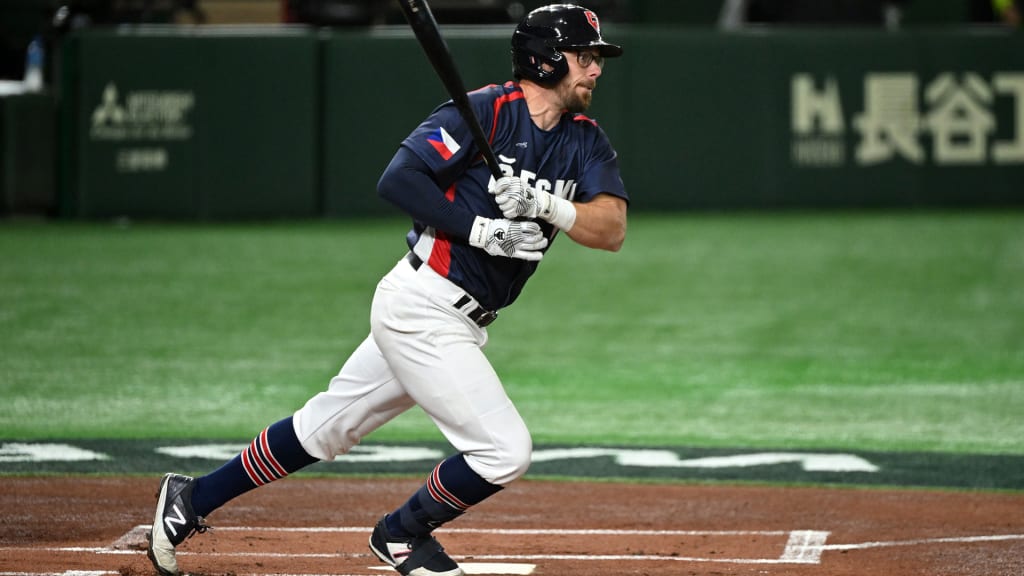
point(873, 331)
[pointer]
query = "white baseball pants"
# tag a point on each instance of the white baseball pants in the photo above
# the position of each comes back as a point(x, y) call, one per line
point(421, 351)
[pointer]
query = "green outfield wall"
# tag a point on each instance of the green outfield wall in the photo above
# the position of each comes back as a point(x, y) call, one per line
point(192, 123)
point(28, 150)
point(225, 123)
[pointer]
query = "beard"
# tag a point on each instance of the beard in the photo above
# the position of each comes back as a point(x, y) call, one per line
point(574, 99)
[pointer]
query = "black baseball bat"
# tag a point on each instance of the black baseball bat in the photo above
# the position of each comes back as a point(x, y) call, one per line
point(418, 13)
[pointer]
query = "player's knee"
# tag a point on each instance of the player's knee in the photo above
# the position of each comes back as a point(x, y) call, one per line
point(324, 440)
point(518, 461)
point(506, 461)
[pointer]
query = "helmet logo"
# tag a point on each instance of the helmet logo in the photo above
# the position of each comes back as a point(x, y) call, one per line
point(592, 20)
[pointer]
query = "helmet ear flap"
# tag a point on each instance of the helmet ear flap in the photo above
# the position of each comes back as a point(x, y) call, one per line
point(555, 70)
point(535, 61)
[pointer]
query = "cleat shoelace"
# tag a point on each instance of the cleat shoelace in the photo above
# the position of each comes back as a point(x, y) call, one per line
point(201, 527)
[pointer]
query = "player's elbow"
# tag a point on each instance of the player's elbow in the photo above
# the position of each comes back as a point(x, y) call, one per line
point(405, 172)
point(389, 185)
point(386, 193)
point(604, 223)
point(615, 235)
point(612, 246)
point(612, 242)
point(617, 238)
point(384, 186)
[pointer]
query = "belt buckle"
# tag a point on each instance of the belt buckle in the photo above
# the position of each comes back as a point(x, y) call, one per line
point(486, 318)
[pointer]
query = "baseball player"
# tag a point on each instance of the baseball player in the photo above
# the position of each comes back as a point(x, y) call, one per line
point(473, 245)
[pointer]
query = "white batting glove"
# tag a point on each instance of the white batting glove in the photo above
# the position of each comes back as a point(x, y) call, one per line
point(517, 200)
point(501, 237)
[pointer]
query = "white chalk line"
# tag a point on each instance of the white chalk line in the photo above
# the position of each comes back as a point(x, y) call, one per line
point(511, 531)
point(115, 573)
point(339, 555)
point(66, 573)
point(471, 568)
point(797, 549)
point(483, 557)
point(803, 547)
point(924, 541)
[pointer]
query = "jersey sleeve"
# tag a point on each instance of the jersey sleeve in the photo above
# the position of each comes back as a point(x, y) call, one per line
point(408, 184)
point(444, 141)
point(601, 170)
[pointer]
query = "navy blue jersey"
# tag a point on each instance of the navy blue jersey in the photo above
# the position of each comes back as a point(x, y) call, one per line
point(574, 160)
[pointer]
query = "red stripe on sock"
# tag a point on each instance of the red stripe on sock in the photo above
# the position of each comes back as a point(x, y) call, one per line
point(249, 470)
point(258, 459)
point(269, 457)
point(447, 497)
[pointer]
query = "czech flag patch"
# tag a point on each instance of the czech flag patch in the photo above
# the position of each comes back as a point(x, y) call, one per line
point(443, 142)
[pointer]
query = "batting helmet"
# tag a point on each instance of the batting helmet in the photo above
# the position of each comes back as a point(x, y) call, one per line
point(544, 32)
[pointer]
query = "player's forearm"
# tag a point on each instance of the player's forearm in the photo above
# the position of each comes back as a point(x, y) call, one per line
point(600, 223)
point(406, 184)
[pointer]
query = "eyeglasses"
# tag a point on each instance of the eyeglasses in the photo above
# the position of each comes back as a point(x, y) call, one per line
point(585, 59)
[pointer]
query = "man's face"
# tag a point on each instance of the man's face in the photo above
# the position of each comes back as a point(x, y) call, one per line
point(576, 88)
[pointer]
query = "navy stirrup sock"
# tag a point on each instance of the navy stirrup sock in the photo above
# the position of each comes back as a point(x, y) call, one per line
point(450, 490)
point(272, 455)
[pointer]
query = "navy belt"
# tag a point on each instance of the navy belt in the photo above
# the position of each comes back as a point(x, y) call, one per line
point(480, 315)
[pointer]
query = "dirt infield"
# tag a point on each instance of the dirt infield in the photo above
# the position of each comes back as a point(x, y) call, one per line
point(95, 526)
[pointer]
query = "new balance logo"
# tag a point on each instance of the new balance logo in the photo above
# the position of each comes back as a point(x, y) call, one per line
point(171, 521)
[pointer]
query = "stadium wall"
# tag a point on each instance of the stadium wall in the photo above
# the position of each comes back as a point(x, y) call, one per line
point(229, 122)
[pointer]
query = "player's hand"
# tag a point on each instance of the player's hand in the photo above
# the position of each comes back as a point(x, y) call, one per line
point(501, 237)
point(517, 200)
